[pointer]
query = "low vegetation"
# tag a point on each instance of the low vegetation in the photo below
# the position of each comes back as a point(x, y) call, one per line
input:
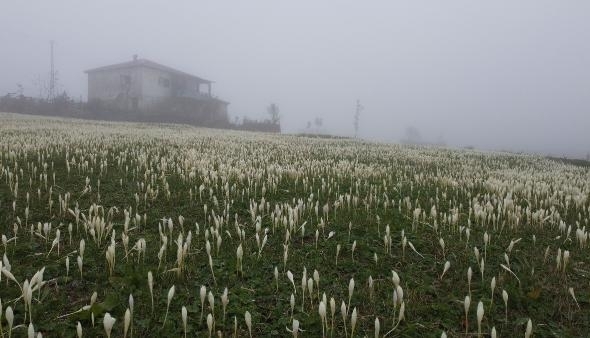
point(123, 229)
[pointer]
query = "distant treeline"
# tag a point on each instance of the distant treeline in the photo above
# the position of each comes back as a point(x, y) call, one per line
point(61, 105)
point(171, 111)
point(574, 161)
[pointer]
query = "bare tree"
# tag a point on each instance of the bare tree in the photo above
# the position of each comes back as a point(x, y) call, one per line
point(318, 121)
point(412, 136)
point(273, 111)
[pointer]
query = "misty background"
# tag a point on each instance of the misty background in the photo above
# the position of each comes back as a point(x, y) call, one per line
point(504, 75)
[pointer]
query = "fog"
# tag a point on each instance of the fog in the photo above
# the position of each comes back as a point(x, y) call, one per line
point(504, 75)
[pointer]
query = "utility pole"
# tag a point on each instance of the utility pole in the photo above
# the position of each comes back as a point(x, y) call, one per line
point(51, 75)
point(357, 115)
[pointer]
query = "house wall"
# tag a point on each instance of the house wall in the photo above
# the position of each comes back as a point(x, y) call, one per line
point(154, 89)
point(153, 85)
point(147, 87)
point(119, 86)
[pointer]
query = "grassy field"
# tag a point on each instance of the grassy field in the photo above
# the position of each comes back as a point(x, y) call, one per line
point(384, 233)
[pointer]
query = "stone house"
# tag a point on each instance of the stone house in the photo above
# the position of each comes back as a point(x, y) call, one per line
point(151, 91)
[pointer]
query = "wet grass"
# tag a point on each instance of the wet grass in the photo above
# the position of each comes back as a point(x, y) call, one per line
point(433, 305)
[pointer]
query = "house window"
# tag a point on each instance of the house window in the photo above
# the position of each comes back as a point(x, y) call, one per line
point(164, 82)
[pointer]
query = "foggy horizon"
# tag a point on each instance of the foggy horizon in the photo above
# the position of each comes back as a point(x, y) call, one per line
point(499, 76)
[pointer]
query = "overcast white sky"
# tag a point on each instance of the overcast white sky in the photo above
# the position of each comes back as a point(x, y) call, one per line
point(499, 74)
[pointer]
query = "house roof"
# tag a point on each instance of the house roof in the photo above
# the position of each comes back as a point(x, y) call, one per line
point(148, 64)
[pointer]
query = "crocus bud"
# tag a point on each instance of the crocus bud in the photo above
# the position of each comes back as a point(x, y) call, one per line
point(108, 323)
point(316, 277)
point(400, 294)
point(480, 313)
point(446, 268)
point(395, 278)
point(80, 265)
point(210, 323)
point(505, 298)
point(82, 247)
point(67, 265)
point(529, 329)
point(290, 276)
point(184, 318)
point(295, 327)
point(377, 327)
point(211, 300)
point(224, 301)
point(127, 322)
point(350, 289)
point(332, 306)
point(170, 296)
point(566, 257)
point(171, 292)
point(131, 303)
point(93, 298)
point(493, 287)
point(248, 319)
point(9, 317)
point(151, 287)
point(322, 311)
point(31, 331)
point(202, 295)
